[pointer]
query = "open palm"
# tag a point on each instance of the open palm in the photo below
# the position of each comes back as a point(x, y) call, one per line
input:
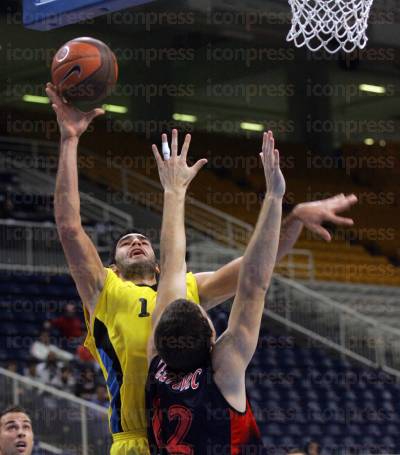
point(174, 172)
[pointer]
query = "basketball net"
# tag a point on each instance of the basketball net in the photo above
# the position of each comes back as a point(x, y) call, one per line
point(329, 24)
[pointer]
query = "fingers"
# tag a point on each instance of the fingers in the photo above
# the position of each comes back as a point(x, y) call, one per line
point(165, 147)
point(173, 152)
point(95, 113)
point(51, 92)
point(341, 220)
point(198, 165)
point(340, 203)
point(321, 231)
point(267, 149)
point(174, 143)
point(276, 158)
point(264, 144)
point(349, 201)
point(270, 151)
point(157, 155)
point(185, 147)
point(52, 86)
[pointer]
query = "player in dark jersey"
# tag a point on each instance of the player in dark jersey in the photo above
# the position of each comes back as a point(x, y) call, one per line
point(195, 393)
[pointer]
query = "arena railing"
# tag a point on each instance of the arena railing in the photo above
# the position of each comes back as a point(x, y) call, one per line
point(334, 325)
point(62, 422)
point(316, 315)
point(92, 208)
point(27, 246)
point(39, 159)
point(34, 247)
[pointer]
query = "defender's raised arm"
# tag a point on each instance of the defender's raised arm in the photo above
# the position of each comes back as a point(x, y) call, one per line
point(175, 177)
point(235, 348)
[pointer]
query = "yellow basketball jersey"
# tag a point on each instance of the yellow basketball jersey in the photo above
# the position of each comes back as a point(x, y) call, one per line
point(117, 338)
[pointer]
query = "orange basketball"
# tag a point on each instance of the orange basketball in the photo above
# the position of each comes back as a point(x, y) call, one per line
point(84, 69)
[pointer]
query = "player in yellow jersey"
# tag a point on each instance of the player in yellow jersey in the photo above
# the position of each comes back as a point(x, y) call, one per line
point(118, 301)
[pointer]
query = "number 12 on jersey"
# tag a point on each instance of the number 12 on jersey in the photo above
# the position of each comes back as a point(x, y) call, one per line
point(175, 443)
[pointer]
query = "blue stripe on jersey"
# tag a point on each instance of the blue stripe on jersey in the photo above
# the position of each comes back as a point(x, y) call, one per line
point(115, 376)
point(114, 388)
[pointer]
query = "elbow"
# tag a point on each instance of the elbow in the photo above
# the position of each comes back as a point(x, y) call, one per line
point(255, 277)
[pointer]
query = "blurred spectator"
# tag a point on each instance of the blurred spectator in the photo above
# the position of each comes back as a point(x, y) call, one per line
point(69, 324)
point(313, 448)
point(86, 386)
point(101, 397)
point(48, 370)
point(40, 349)
point(31, 371)
point(12, 366)
point(64, 380)
point(6, 205)
point(84, 354)
point(296, 451)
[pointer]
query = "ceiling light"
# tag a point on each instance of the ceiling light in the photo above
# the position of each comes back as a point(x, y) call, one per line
point(252, 126)
point(369, 141)
point(184, 117)
point(372, 88)
point(115, 108)
point(36, 99)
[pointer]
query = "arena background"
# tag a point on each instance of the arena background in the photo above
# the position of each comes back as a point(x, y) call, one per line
point(328, 361)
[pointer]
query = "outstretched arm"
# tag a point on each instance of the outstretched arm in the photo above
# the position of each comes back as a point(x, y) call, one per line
point(83, 260)
point(235, 348)
point(216, 287)
point(175, 176)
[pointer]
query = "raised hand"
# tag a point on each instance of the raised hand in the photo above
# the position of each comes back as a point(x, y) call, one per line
point(174, 172)
point(71, 121)
point(313, 214)
point(275, 181)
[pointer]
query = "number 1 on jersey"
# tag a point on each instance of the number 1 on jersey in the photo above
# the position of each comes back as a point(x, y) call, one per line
point(143, 311)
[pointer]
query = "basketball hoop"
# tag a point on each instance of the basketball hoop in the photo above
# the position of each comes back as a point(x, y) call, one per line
point(329, 24)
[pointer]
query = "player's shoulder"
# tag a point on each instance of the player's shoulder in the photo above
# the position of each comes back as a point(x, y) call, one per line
point(114, 285)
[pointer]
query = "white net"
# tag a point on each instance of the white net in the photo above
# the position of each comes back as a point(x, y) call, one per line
point(329, 24)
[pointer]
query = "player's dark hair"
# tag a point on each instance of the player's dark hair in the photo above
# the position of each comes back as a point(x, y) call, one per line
point(12, 408)
point(183, 337)
point(113, 251)
point(307, 446)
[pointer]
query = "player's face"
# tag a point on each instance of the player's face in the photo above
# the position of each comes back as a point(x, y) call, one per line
point(134, 249)
point(16, 436)
point(205, 315)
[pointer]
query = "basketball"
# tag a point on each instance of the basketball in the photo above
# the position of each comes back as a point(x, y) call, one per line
point(84, 69)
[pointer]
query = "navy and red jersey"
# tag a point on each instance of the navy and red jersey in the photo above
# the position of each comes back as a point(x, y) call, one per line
point(189, 416)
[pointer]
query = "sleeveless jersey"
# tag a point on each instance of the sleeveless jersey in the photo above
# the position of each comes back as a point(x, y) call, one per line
point(117, 338)
point(190, 416)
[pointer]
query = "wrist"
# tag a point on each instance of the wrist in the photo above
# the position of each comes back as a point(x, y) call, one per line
point(69, 139)
point(177, 193)
point(273, 196)
point(296, 212)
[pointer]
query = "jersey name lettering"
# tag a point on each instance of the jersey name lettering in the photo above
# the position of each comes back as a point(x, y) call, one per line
point(188, 381)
